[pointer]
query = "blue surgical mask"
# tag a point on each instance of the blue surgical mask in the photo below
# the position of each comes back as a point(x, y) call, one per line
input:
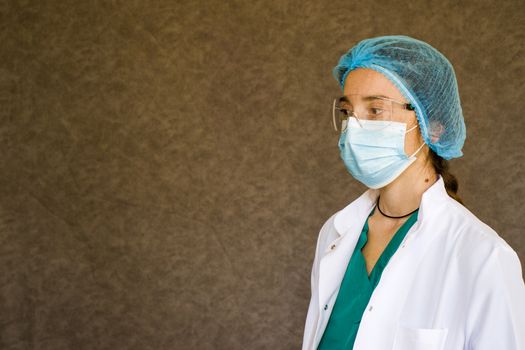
point(375, 155)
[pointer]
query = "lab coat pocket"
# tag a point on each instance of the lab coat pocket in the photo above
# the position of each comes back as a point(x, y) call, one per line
point(408, 338)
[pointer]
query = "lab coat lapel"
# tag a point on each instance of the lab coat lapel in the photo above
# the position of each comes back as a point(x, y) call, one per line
point(336, 255)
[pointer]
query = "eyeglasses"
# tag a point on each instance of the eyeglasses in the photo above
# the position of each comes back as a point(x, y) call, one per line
point(376, 110)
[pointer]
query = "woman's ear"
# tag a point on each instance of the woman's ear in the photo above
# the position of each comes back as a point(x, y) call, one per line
point(436, 129)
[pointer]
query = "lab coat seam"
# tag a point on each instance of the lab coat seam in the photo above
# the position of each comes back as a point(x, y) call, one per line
point(503, 284)
point(448, 263)
point(469, 336)
point(498, 286)
point(472, 288)
point(503, 279)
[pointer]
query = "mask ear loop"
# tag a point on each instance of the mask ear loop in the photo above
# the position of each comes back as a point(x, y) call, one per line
point(422, 144)
point(412, 128)
point(413, 154)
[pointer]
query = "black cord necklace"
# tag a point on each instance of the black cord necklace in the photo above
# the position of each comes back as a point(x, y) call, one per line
point(393, 217)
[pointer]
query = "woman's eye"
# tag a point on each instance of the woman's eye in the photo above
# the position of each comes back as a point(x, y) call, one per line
point(376, 111)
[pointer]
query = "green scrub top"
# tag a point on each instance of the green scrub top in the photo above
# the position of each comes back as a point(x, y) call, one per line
point(356, 289)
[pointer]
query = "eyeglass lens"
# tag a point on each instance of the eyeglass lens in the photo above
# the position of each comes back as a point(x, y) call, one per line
point(362, 108)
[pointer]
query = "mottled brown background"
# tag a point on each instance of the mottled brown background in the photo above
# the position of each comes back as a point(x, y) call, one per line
point(167, 165)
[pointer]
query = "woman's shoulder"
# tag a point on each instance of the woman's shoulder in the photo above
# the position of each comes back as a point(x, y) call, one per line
point(472, 240)
point(469, 228)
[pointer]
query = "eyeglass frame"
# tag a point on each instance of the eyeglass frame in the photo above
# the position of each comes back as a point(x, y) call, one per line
point(405, 105)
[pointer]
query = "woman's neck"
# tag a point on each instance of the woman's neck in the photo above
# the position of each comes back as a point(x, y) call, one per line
point(403, 195)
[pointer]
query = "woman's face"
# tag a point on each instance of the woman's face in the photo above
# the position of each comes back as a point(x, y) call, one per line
point(366, 82)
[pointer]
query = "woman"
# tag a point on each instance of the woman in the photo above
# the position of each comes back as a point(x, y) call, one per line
point(406, 266)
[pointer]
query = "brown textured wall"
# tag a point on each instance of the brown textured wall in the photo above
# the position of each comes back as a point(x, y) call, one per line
point(167, 165)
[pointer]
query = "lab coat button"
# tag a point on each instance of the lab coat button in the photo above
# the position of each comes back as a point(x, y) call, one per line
point(332, 247)
point(326, 307)
point(370, 308)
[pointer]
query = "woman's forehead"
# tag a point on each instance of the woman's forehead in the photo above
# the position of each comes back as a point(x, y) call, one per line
point(368, 82)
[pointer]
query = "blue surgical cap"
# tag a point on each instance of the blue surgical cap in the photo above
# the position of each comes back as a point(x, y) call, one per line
point(425, 78)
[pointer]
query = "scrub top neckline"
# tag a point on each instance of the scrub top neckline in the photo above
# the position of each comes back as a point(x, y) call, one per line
point(392, 244)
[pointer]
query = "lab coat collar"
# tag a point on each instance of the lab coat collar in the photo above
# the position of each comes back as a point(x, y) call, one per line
point(362, 206)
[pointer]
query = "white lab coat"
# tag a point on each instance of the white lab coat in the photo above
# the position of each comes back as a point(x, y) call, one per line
point(452, 284)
